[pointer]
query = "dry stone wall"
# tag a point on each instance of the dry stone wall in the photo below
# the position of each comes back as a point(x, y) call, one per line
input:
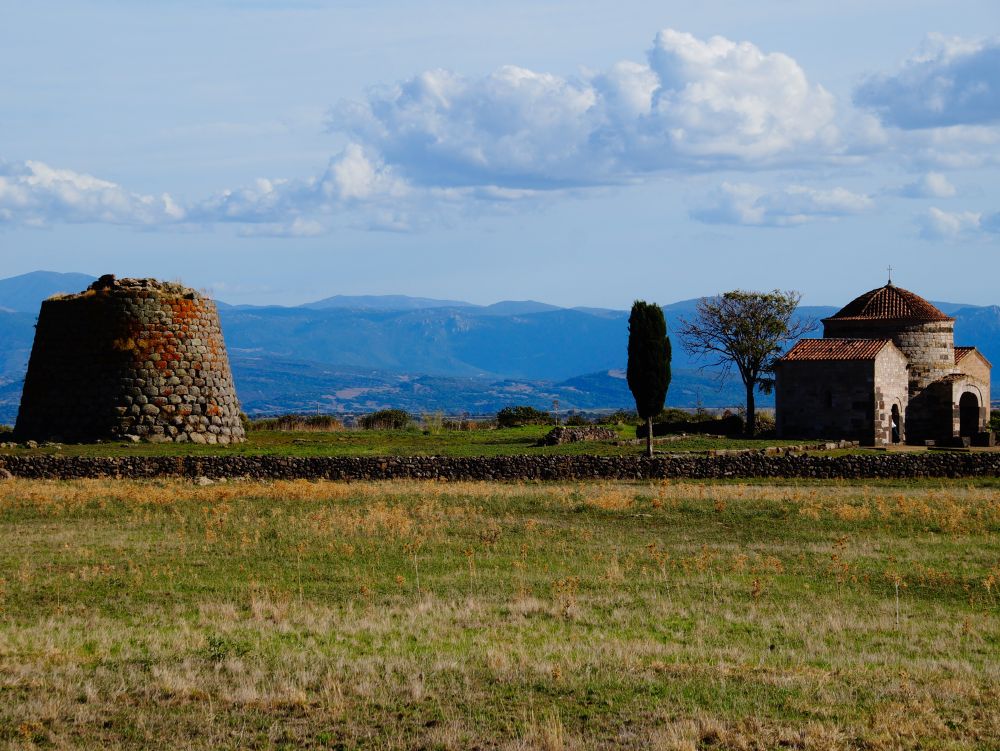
point(129, 358)
point(514, 468)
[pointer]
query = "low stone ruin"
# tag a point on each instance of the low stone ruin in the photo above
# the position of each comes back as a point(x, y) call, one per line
point(560, 435)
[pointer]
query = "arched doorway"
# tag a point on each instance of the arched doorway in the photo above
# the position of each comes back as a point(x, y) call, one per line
point(897, 425)
point(968, 415)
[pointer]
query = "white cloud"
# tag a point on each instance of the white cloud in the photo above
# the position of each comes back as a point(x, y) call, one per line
point(355, 188)
point(297, 227)
point(752, 205)
point(958, 147)
point(937, 224)
point(930, 185)
point(694, 105)
point(441, 144)
point(949, 82)
point(35, 194)
point(941, 108)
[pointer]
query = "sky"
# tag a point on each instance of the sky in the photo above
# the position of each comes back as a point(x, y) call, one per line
point(578, 153)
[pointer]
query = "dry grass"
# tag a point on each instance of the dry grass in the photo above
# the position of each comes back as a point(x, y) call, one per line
point(538, 616)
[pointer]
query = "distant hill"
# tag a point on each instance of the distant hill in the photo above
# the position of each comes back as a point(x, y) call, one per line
point(980, 327)
point(440, 341)
point(951, 308)
point(25, 293)
point(268, 385)
point(383, 302)
point(358, 353)
point(397, 303)
point(517, 308)
point(16, 333)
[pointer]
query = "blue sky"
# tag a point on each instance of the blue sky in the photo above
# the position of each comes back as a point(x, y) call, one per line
point(574, 152)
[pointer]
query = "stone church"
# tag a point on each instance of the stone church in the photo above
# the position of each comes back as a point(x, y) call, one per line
point(886, 371)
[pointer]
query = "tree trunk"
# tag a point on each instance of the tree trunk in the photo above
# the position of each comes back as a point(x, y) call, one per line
point(751, 426)
point(649, 436)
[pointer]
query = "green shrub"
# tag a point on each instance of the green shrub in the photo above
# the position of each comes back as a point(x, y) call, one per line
point(432, 423)
point(513, 417)
point(620, 417)
point(466, 423)
point(766, 423)
point(316, 423)
point(385, 419)
point(260, 423)
point(674, 414)
point(575, 420)
point(995, 419)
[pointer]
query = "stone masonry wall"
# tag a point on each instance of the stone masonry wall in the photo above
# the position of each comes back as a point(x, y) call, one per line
point(826, 399)
point(929, 416)
point(930, 351)
point(513, 468)
point(962, 384)
point(891, 388)
point(929, 347)
point(129, 358)
point(975, 366)
point(975, 372)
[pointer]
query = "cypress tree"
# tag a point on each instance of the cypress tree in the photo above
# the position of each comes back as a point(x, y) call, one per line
point(648, 363)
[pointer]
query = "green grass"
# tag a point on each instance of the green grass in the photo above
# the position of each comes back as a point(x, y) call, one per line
point(399, 443)
point(550, 616)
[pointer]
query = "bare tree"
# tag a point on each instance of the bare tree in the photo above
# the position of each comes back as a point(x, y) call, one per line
point(749, 330)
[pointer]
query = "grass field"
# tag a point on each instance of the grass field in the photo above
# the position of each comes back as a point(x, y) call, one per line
point(453, 616)
point(399, 443)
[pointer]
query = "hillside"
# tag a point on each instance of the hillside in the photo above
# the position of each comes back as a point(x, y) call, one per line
point(25, 292)
point(439, 341)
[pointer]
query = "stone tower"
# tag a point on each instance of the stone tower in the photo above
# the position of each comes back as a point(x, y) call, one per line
point(129, 358)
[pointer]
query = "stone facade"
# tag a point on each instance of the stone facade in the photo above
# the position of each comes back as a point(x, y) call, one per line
point(922, 389)
point(892, 396)
point(850, 399)
point(929, 346)
point(129, 358)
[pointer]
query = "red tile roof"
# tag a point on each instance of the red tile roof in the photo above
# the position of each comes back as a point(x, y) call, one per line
point(836, 349)
point(890, 303)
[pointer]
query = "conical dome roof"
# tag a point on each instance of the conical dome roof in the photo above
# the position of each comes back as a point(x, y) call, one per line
point(889, 303)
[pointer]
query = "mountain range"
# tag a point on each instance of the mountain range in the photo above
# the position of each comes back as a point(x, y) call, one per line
point(355, 354)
